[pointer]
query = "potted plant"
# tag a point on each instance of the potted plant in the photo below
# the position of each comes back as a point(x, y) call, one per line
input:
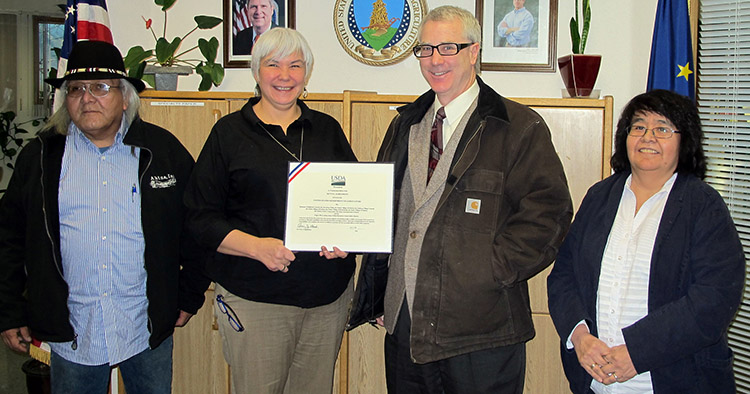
point(166, 60)
point(579, 71)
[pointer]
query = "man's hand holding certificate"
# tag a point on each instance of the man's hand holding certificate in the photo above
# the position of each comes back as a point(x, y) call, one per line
point(347, 205)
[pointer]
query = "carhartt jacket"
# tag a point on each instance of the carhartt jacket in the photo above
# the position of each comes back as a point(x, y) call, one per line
point(471, 291)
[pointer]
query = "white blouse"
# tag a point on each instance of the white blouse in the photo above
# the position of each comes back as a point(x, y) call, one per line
point(622, 297)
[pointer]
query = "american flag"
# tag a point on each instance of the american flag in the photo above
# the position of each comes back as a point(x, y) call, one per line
point(240, 19)
point(84, 20)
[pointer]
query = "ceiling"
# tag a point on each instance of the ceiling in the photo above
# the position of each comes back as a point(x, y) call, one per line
point(44, 7)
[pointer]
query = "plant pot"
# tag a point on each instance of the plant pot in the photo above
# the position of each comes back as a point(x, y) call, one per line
point(579, 73)
point(166, 77)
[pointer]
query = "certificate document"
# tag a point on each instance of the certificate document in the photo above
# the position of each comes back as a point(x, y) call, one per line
point(347, 205)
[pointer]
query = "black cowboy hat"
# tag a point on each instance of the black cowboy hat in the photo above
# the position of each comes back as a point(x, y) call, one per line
point(95, 60)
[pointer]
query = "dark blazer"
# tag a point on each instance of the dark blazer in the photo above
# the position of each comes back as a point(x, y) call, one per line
point(242, 44)
point(696, 280)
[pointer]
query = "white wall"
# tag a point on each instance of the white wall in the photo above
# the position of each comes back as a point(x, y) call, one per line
point(621, 32)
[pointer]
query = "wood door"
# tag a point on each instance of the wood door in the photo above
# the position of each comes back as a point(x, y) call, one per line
point(581, 141)
point(198, 365)
point(189, 120)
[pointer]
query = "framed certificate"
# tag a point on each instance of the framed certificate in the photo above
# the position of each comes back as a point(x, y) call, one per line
point(347, 205)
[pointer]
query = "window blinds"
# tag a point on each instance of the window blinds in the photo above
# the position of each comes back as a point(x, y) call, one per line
point(724, 104)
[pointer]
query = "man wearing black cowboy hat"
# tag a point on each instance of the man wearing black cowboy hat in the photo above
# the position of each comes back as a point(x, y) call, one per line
point(91, 239)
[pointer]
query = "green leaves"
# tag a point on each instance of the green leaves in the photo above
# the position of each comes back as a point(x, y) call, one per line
point(207, 22)
point(209, 49)
point(135, 56)
point(210, 72)
point(586, 23)
point(10, 136)
point(574, 36)
point(167, 53)
point(579, 40)
point(165, 4)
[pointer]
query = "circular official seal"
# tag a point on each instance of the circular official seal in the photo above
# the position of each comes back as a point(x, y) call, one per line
point(378, 33)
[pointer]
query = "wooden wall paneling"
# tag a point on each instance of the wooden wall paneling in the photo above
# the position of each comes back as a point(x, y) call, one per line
point(544, 373)
point(236, 105)
point(581, 133)
point(189, 120)
point(368, 117)
point(371, 115)
point(366, 360)
point(199, 365)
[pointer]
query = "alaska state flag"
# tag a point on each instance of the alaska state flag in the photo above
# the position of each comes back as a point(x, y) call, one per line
point(672, 66)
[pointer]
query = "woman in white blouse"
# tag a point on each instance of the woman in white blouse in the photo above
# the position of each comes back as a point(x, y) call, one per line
point(651, 272)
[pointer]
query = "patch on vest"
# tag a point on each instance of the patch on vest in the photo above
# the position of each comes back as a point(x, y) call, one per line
point(473, 205)
point(163, 181)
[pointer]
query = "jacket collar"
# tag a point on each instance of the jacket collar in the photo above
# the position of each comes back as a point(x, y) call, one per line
point(672, 209)
point(489, 103)
point(249, 114)
point(135, 135)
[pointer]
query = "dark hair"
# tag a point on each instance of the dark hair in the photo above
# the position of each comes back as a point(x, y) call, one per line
point(683, 114)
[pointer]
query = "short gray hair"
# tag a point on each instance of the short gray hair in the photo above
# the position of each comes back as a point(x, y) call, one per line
point(279, 43)
point(60, 120)
point(471, 28)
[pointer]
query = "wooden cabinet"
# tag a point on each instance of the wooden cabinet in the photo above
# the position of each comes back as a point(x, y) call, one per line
point(581, 131)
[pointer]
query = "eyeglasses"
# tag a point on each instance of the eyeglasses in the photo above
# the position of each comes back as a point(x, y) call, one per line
point(444, 49)
point(234, 321)
point(98, 89)
point(660, 132)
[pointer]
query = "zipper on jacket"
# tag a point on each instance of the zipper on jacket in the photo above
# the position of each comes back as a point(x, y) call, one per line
point(150, 159)
point(74, 344)
point(45, 214)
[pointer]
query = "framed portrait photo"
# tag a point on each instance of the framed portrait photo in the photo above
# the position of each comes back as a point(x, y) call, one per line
point(518, 35)
point(246, 20)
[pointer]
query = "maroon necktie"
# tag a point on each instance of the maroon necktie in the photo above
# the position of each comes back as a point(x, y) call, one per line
point(436, 142)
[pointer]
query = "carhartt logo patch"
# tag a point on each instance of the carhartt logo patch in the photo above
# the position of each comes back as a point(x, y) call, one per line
point(473, 205)
point(162, 181)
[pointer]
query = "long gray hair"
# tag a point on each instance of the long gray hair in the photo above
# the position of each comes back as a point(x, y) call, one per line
point(60, 120)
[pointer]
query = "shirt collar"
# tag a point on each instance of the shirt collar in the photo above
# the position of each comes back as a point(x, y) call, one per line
point(249, 113)
point(665, 188)
point(456, 109)
point(74, 131)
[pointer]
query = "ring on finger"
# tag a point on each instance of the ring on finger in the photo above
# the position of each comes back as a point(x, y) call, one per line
point(593, 365)
point(615, 375)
